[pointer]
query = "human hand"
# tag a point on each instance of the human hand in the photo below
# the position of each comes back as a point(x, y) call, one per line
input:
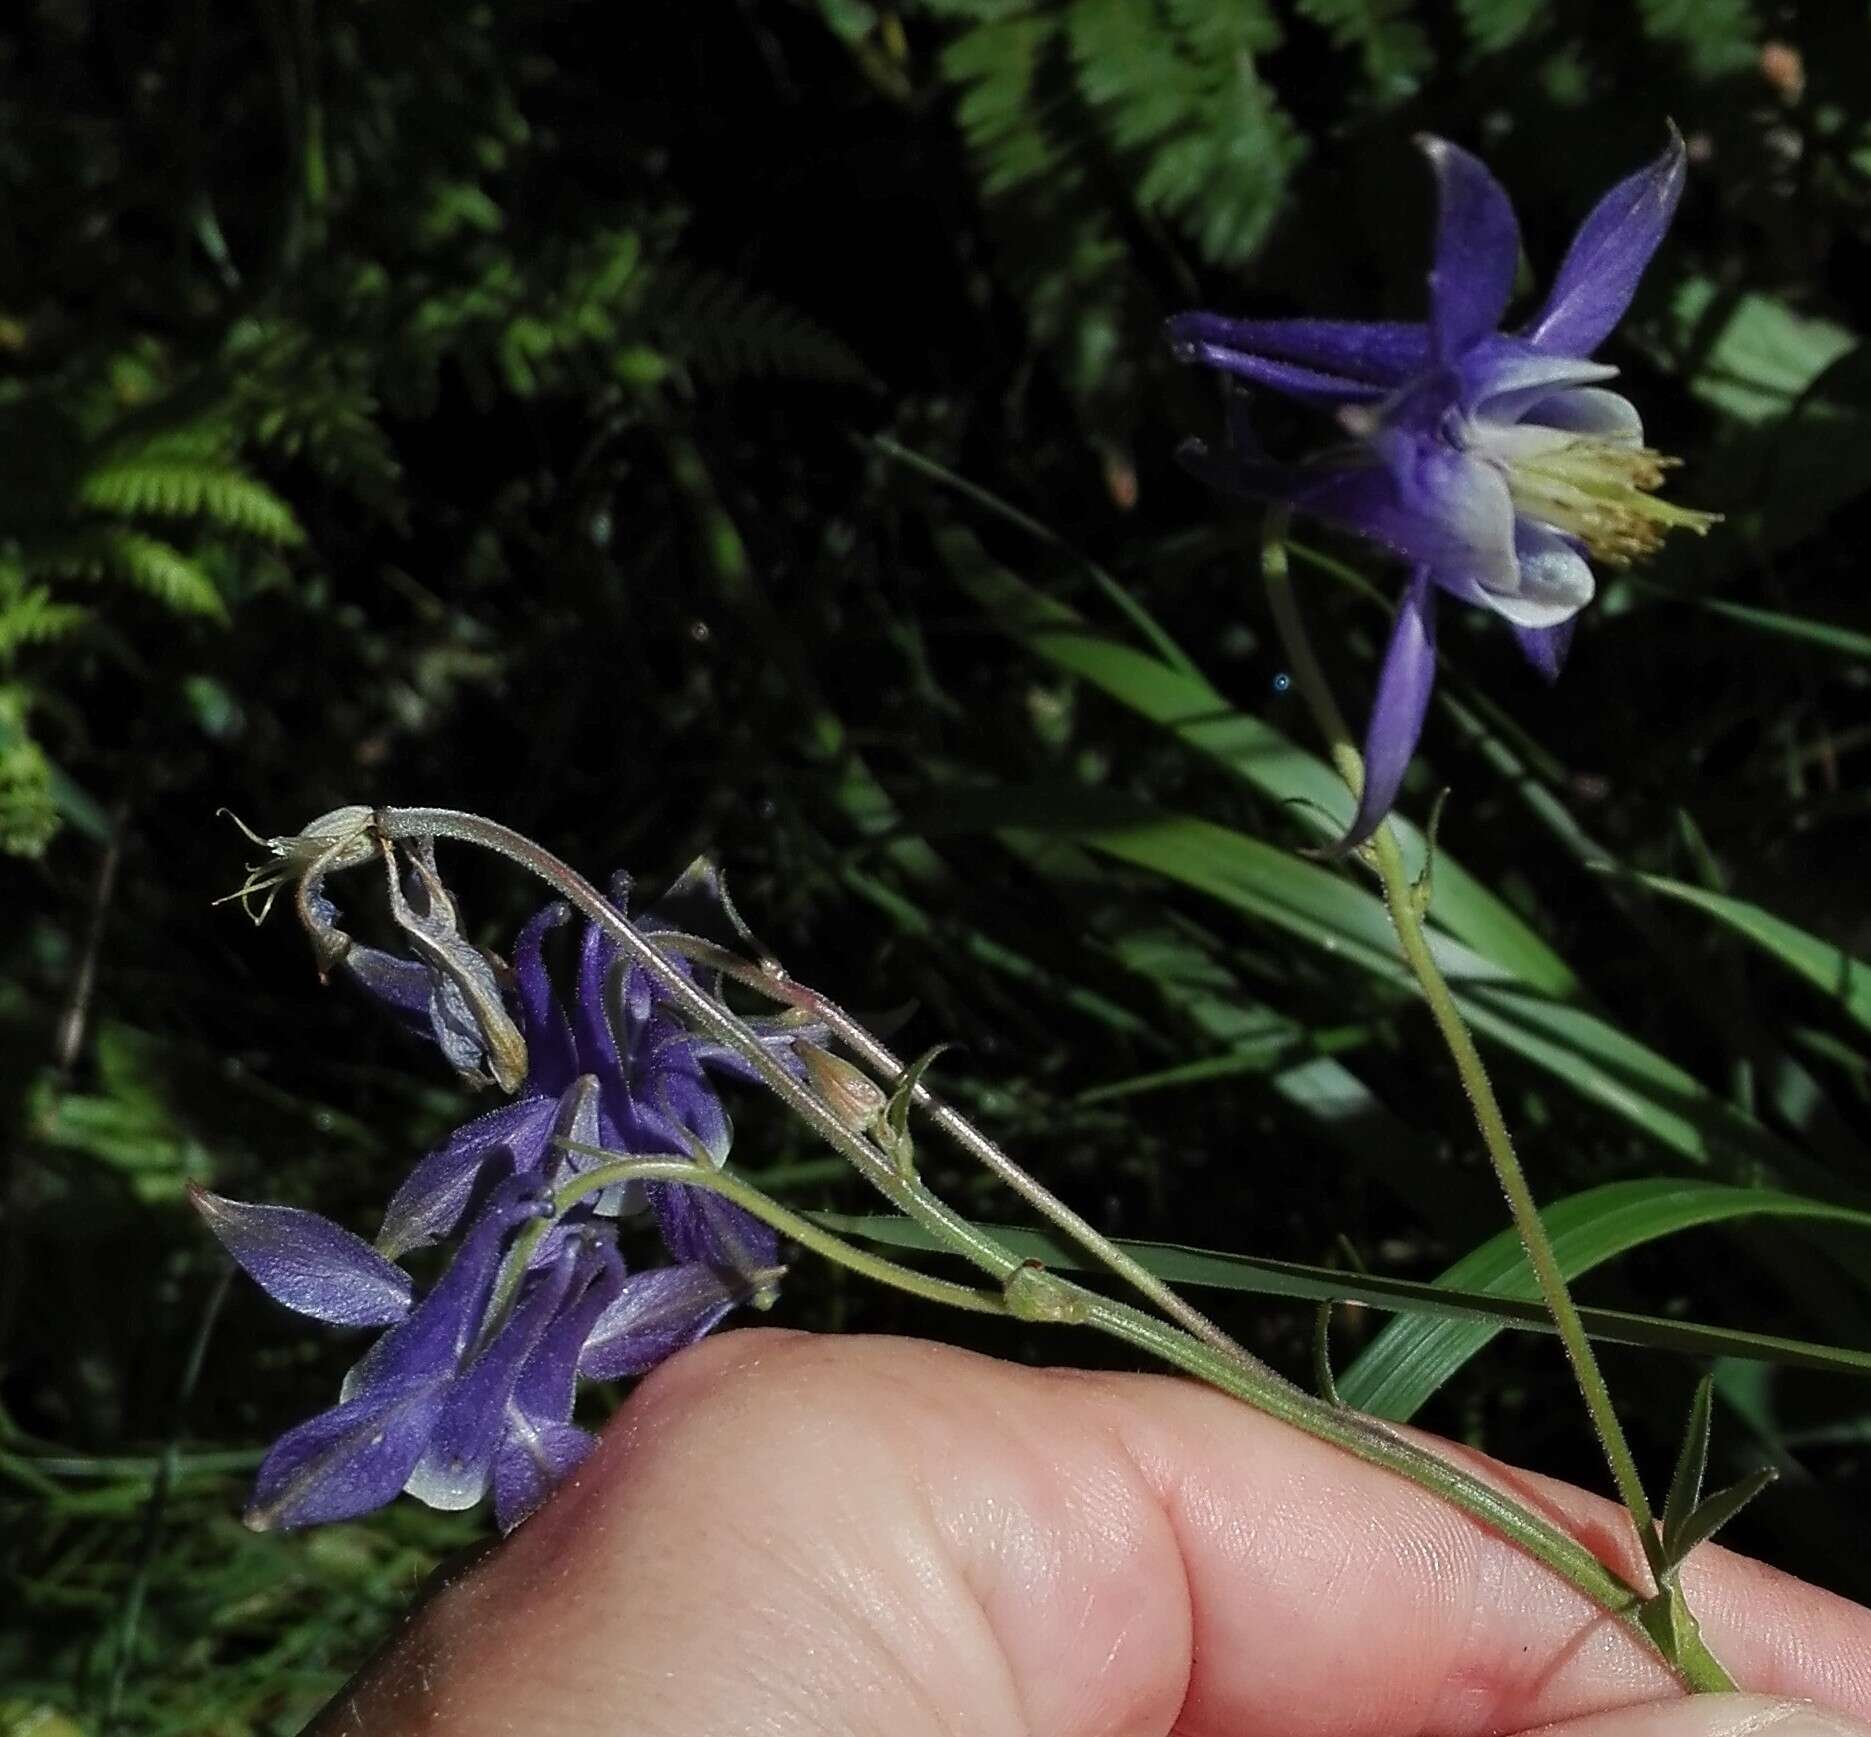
point(782, 1533)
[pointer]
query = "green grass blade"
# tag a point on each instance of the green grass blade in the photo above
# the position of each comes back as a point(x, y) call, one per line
point(1578, 1047)
point(1409, 1360)
point(1198, 1268)
point(1181, 701)
point(1822, 963)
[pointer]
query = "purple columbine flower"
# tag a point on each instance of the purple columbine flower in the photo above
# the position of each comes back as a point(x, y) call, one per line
point(471, 1388)
point(1496, 463)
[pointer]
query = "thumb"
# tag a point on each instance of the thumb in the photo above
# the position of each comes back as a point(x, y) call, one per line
point(1712, 1716)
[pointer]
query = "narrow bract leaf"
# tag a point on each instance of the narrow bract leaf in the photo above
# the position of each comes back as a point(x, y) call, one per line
point(1716, 1512)
point(1691, 1463)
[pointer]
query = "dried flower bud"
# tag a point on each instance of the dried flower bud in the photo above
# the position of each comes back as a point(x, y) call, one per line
point(471, 1021)
point(851, 1095)
point(339, 840)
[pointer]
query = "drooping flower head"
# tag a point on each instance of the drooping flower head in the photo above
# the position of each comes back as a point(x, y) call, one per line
point(1497, 464)
point(470, 1390)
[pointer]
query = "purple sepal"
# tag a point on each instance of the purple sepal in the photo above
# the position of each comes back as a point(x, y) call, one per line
point(1364, 358)
point(1600, 272)
point(441, 1327)
point(346, 1461)
point(654, 1315)
point(1477, 250)
point(1403, 689)
point(436, 1193)
point(306, 1262)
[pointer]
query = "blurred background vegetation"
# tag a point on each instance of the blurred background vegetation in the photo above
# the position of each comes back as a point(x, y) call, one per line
point(743, 426)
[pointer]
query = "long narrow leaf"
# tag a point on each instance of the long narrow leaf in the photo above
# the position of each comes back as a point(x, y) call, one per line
point(1822, 963)
point(1197, 1268)
point(1409, 1360)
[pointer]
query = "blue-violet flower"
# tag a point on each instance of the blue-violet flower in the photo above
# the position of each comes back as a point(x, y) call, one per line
point(471, 1388)
point(1497, 464)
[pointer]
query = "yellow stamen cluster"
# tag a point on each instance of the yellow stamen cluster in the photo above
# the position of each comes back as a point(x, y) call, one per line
point(1603, 493)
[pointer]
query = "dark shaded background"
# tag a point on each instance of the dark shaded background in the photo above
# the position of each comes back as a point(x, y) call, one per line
point(506, 406)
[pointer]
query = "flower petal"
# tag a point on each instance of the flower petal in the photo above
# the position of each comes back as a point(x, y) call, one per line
point(533, 1459)
point(654, 1315)
point(548, 1384)
point(458, 1462)
point(439, 1330)
point(1451, 508)
point(1599, 274)
point(307, 1262)
point(1477, 250)
point(538, 1444)
point(699, 1225)
point(1551, 581)
point(1589, 410)
point(1503, 377)
point(1546, 647)
point(1403, 688)
point(345, 1461)
point(436, 1193)
point(549, 1044)
point(472, 1024)
point(1555, 580)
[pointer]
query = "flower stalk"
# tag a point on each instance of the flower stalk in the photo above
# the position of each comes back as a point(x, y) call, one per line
point(1406, 905)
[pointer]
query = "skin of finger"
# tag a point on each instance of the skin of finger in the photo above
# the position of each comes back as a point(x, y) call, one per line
point(786, 1533)
point(1713, 1716)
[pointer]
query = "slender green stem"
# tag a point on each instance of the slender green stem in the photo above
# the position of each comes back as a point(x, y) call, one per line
point(1547, 1272)
point(1030, 1189)
point(1400, 898)
point(820, 1241)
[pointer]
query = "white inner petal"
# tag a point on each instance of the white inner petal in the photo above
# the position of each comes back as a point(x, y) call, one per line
point(1590, 410)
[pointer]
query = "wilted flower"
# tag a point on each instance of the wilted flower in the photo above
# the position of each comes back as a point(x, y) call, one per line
point(1495, 463)
point(471, 1389)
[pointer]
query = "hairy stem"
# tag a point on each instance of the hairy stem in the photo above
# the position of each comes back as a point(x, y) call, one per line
point(1400, 899)
point(616, 1168)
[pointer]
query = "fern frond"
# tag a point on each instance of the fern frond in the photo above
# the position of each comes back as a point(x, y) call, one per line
point(997, 66)
point(158, 569)
point(177, 488)
point(1215, 149)
point(30, 616)
point(1496, 24)
point(1395, 50)
point(29, 817)
point(725, 329)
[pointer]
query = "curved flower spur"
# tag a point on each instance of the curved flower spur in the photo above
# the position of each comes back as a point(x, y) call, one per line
point(1497, 464)
point(471, 1388)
